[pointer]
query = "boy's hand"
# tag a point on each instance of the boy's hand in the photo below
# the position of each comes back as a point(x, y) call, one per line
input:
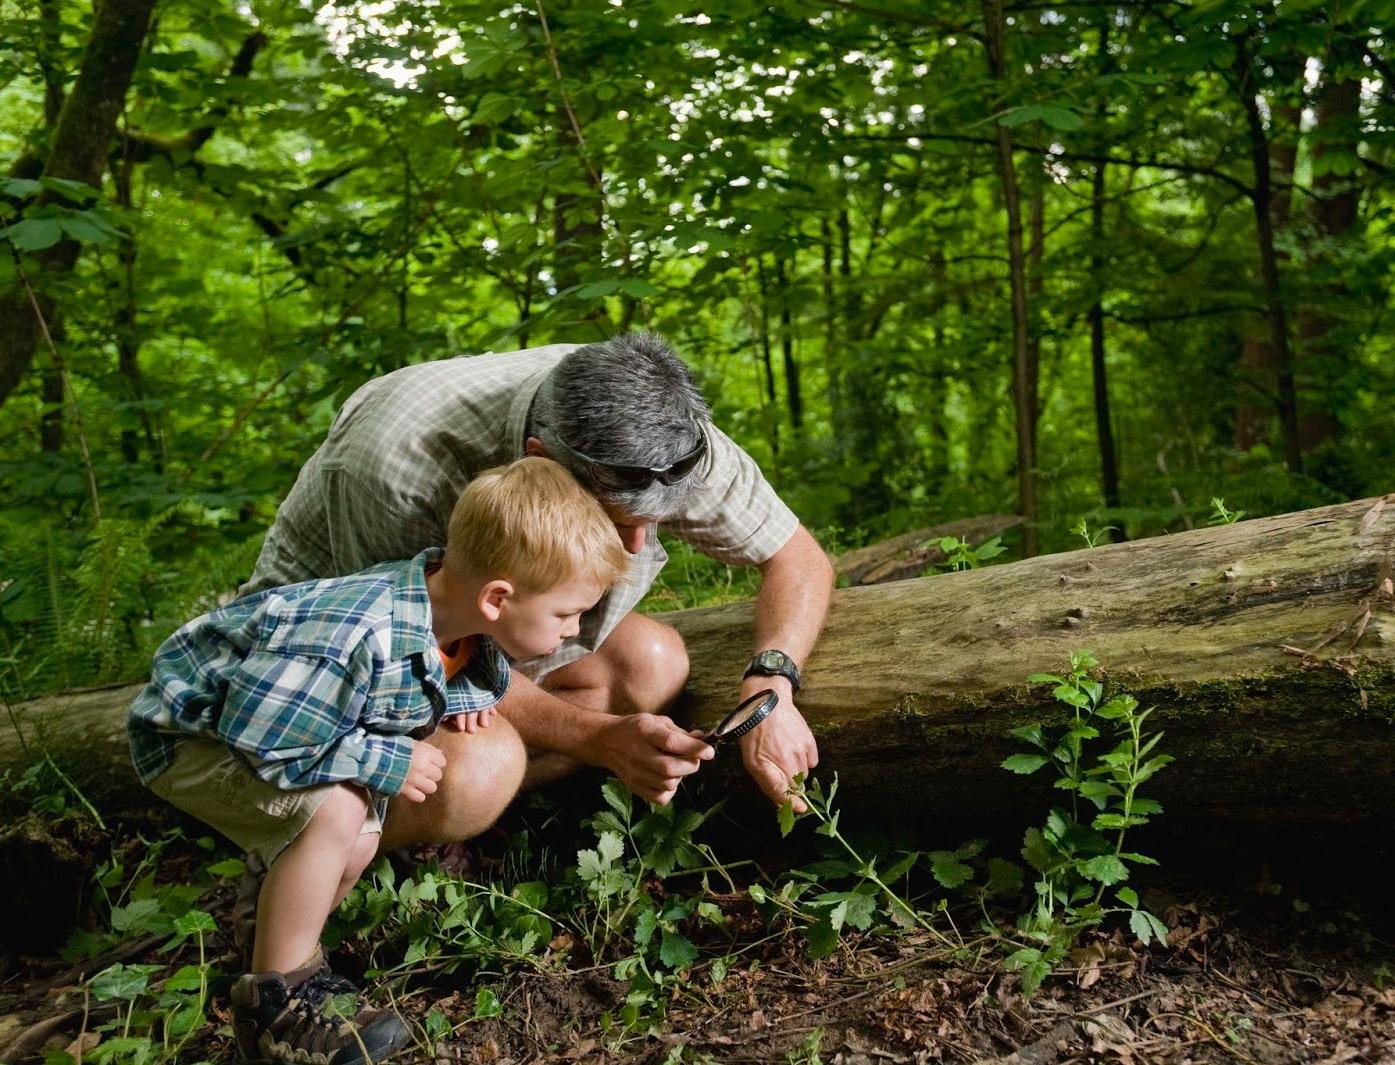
point(428, 764)
point(651, 754)
point(470, 722)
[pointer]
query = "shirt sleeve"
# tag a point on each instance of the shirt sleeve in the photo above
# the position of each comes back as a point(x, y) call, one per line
point(297, 719)
point(735, 515)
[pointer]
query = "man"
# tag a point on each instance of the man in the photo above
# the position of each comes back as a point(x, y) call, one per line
point(625, 417)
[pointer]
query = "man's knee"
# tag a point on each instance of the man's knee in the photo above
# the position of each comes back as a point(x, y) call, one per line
point(654, 663)
point(483, 773)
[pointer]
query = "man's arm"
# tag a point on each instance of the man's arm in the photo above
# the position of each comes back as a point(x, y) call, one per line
point(796, 583)
point(646, 751)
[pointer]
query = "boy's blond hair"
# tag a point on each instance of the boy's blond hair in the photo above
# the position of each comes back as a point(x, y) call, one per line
point(532, 524)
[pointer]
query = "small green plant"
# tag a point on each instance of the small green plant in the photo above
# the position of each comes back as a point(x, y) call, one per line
point(1092, 537)
point(1221, 515)
point(864, 897)
point(1079, 852)
point(961, 555)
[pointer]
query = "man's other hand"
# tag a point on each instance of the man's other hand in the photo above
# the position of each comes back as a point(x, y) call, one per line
point(651, 754)
point(781, 747)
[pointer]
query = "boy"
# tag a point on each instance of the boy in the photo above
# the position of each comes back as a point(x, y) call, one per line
point(287, 718)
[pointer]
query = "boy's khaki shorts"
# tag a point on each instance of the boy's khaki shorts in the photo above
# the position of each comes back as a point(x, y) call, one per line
point(216, 786)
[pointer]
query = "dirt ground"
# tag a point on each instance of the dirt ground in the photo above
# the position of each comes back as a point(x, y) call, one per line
point(1247, 977)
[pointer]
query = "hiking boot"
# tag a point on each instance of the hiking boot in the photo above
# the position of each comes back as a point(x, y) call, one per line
point(244, 910)
point(310, 1017)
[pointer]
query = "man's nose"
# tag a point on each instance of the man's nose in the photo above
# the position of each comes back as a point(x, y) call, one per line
point(632, 536)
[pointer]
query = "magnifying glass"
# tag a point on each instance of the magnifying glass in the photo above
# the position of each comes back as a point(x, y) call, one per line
point(745, 717)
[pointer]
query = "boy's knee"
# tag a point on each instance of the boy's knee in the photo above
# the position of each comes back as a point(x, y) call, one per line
point(341, 814)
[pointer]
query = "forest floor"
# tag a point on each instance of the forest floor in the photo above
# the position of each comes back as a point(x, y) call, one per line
point(1250, 976)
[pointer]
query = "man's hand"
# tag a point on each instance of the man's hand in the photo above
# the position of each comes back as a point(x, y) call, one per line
point(781, 746)
point(428, 764)
point(470, 722)
point(651, 754)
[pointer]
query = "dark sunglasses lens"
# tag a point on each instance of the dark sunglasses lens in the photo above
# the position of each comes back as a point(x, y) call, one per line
point(621, 478)
point(683, 466)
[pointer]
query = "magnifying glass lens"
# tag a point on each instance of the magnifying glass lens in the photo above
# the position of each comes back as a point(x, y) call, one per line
point(745, 717)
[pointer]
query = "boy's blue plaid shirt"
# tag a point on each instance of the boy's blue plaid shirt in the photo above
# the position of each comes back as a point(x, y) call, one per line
point(313, 683)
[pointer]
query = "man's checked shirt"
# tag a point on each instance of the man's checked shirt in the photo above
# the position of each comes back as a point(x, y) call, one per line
point(318, 682)
point(405, 445)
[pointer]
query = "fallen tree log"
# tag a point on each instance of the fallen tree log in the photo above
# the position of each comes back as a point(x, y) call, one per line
point(1268, 647)
point(909, 554)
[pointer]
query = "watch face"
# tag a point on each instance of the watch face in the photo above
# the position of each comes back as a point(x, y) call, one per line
point(771, 659)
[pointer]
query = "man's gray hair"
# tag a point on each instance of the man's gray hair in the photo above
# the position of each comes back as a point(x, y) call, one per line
point(626, 401)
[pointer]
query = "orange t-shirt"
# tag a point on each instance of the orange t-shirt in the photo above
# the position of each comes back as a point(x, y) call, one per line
point(455, 656)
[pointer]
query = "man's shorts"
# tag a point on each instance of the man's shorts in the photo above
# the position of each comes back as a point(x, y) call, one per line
point(207, 780)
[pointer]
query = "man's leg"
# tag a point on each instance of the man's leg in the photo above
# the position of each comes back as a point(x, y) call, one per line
point(639, 669)
point(482, 775)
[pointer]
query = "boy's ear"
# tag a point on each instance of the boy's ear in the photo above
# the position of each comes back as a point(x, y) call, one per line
point(492, 598)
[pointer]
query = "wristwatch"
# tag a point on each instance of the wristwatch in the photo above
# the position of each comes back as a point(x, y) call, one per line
point(773, 664)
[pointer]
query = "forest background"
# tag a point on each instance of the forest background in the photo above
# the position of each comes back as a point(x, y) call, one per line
point(1073, 260)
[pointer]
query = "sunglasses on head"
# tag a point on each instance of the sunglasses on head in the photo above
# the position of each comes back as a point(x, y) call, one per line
point(633, 478)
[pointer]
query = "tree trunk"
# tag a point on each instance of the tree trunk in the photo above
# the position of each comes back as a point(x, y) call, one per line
point(78, 153)
point(794, 391)
point(1104, 422)
point(1337, 134)
point(1023, 374)
point(914, 685)
point(1262, 198)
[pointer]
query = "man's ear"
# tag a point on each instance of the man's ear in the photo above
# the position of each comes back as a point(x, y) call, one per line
point(492, 598)
point(534, 446)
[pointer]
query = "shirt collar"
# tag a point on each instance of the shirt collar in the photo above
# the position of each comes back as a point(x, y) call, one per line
point(518, 410)
point(411, 630)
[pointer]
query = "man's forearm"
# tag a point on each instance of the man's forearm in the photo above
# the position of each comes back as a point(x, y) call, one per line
point(548, 723)
point(796, 584)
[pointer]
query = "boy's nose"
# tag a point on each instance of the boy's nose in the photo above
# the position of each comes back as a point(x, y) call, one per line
point(632, 536)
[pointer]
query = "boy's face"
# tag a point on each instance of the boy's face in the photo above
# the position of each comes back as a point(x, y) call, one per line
point(536, 623)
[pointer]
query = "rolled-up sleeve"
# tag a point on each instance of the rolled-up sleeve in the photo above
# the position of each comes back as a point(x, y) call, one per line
point(297, 719)
point(735, 516)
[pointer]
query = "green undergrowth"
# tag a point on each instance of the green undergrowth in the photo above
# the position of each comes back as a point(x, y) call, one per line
point(642, 894)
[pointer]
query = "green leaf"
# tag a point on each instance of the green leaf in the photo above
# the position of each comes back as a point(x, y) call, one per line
point(596, 289)
point(494, 107)
point(87, 229)
point(948, 870)
point(676, 951)
point(122, 981)
point(1128, 896)
point(1024, 763)
point(618, 798)
point(1035, 850)
point(20, 188)
point(228, 867)
point(1147, 928)
point(34, 234)
point(186, 978)
point(646, 924)
point(611, 847)
point(823, 938)
point(1106, 868)
point(1050, 114)
point(193, 922)
point(487, 1003)
point(1044, 678)
point(785, 817)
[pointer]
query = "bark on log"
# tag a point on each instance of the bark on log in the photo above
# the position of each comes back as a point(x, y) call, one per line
point(908, 555)
point(914, 684)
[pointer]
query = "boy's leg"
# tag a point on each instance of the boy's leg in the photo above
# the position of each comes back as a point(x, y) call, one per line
point(483, 772)
point(309, 878)
point(639, 669)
